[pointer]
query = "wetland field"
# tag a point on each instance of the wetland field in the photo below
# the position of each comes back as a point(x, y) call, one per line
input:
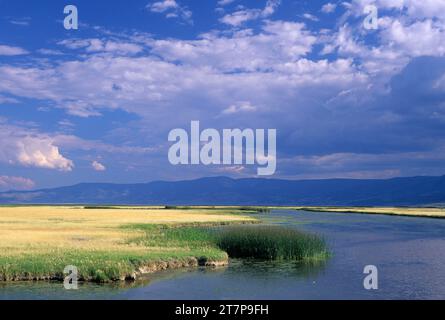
point(122, 243)
point(214, 252)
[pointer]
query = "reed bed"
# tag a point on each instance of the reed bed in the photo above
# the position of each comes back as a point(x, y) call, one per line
point(270, 243)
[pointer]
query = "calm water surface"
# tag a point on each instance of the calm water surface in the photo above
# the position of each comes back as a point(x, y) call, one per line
point(409, 253)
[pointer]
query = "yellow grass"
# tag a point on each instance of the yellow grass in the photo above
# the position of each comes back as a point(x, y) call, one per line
point(32, 229)
point(38, 241)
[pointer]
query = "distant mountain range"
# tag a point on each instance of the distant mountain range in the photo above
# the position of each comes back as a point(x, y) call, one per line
point(226, 191)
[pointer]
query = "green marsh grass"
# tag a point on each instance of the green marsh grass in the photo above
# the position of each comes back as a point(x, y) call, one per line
point(270, 243)
point(240, 241)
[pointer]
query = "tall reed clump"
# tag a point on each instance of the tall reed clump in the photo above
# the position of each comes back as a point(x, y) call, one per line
point(270, 243)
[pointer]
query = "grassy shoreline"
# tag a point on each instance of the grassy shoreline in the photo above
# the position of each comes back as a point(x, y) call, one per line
point(108, 244)
point(427, 212)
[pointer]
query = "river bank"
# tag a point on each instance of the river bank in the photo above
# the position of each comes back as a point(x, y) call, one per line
point(116, 244)
point(438, 213)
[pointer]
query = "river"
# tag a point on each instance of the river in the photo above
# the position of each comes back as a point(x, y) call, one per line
point(409, 254)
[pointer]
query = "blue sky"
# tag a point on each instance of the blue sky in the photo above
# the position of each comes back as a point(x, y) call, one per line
point(96, 104)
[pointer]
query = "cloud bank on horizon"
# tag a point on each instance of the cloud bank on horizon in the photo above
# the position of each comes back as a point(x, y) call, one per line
point(97, 103)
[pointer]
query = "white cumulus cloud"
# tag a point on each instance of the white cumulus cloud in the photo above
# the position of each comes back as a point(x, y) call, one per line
point(42, 153)
point(328, 7)
point(31, 149)
point(98, 166)
point(171, 9)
